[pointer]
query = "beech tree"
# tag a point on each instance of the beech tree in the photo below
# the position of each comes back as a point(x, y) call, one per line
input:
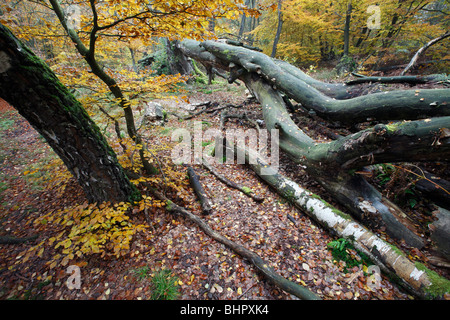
point(29, 85)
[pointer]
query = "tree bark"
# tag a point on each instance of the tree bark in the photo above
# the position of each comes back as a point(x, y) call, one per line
point(199, 191)
point(178, 62)
point(29, 85)
point(278, 33)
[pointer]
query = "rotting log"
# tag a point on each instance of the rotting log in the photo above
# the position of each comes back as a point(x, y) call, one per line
point(14, 240)
point(245, 190)
point(204, 200)
point(414, 277)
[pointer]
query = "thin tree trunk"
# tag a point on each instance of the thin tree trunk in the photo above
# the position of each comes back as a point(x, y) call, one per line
point(89, 56)
point(29, 85)
point(279, 27)
point(422, 50)
point(348, 17)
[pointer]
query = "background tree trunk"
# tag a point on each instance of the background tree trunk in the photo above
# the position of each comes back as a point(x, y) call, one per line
point(29, 85)
point(348, 17)
point(279, 27)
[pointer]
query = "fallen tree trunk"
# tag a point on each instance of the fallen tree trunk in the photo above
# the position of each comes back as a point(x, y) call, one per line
point(245, 190)
point(411, 80)
point(394, 105)
point(199, 191)
point(435, 188)
point(323, 162)
point(416, 278)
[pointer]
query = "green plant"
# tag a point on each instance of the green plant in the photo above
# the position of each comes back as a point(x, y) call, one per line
point(142, 272)
point(342, 249)
point(164, 286)
point(385, 172)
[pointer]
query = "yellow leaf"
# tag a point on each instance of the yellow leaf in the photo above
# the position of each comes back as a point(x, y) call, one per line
point(65, 261)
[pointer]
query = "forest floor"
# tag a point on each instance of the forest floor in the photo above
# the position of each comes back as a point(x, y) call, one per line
point(296, 247)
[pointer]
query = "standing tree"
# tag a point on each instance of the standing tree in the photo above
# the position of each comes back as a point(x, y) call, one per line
point(29, 85)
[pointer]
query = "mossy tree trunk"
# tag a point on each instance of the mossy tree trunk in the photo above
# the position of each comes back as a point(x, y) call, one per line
point(29, 85)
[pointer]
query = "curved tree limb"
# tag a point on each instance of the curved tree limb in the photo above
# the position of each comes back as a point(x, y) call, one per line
point(394, 105)
point(422, 50)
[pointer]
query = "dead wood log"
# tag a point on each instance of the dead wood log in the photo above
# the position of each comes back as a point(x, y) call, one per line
point(204, 200)
point(411, 80)
point(440, 232)
point(14, 240)
point(435, 188)
point(245, 190)
point(414, 277)
point(224, 116)
point(263, 266)
point(206, 109)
